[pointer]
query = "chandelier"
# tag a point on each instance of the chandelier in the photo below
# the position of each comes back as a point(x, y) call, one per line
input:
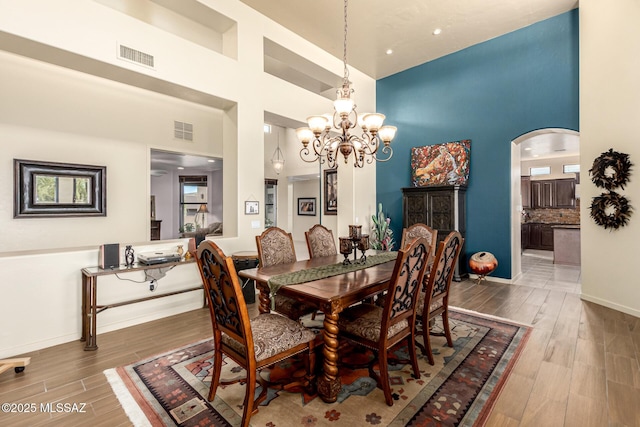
point(345, 118)
point(278, 158)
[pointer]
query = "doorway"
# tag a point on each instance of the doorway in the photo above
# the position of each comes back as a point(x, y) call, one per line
point(554, 148)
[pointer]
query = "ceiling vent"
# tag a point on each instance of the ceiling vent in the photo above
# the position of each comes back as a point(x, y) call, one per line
point(183, 130)
point(137, 57)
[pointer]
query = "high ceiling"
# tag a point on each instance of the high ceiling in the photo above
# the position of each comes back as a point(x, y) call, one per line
point(405, 26)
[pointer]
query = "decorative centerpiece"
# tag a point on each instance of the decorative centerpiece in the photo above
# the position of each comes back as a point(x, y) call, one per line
point(351, 244)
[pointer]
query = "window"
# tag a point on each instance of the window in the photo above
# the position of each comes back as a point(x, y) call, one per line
point(193, 202)
point(570, 168)
point(542, 170)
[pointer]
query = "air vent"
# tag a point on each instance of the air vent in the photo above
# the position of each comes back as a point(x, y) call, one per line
point(183, 130)
point(135, 56)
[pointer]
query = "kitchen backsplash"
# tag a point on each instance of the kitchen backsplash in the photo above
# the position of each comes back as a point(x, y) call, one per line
point(553, 216)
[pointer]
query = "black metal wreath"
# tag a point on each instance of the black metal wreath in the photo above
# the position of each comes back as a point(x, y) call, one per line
point(618, 162)
point(621, 210)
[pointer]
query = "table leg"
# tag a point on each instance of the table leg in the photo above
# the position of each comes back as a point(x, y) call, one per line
point(91, 315)
point(83, 313)
point(265, 300)
point(329, 382)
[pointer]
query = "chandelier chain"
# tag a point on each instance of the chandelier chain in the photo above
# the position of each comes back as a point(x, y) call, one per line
point(344, 57)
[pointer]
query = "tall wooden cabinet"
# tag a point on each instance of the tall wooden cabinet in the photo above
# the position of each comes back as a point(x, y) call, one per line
point(442, 208)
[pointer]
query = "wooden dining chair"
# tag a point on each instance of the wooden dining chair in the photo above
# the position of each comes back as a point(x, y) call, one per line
point(420, 230)
point(275, 246)
point(320, 241)
point(381, 328)
point(253, 344)
point(434, 299)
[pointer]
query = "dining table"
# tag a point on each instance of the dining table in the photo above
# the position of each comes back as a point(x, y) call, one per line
point(331, 285)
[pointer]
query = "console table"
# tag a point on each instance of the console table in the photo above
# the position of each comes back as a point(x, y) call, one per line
point(90, 307)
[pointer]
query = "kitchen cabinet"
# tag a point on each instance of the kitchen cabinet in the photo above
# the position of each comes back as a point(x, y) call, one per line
point(441, 208)
point(565, 193)
point(537, 236)
point(524, 236)
point(553, 193)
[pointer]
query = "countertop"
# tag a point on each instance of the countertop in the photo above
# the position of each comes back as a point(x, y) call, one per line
point(569, 226)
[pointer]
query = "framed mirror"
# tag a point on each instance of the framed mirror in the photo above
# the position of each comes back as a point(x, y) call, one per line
point(48, 189)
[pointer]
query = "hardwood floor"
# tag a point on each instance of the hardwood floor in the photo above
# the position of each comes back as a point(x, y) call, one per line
point(579, 368)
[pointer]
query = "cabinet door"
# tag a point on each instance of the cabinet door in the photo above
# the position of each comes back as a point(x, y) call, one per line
point(547, 194)
point(441, 211)
point(534, 236)
point(415, 209)
point(525, 191)
point(565, 193)
point(524, 236)
point(546, 237)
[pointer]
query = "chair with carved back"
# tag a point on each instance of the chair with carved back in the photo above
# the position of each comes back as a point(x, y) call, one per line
point(434, 299)
point(253, 344)
point(275, 246)
point(381, 328)
point(420, 230)
point(320, 241)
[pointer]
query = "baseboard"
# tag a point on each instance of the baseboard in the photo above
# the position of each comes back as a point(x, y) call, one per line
point(492, 279)
point(611, 305)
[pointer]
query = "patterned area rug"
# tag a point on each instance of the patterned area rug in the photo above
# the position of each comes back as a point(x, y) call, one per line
point(460, 390)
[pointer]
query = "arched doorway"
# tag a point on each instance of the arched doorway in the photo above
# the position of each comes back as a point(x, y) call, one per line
point(551, 144)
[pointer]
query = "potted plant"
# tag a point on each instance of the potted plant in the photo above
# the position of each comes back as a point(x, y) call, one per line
point(381, 234)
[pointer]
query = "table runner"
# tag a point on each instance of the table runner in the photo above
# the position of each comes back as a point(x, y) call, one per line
point(323, 271)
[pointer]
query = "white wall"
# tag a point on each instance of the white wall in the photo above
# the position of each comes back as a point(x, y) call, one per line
point(50, 112)
point(609, 106)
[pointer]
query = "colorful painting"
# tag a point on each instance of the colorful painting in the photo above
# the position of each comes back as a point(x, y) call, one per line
point(441, 164)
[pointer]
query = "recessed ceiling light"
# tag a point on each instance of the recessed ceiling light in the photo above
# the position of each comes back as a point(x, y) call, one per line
point(527, 149)
point(180, 168)
point(389, 51)
point(211, 161)
point(437, 31)
point(535, 155)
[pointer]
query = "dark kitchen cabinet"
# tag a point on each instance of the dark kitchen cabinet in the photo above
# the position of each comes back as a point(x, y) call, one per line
point(565, 193)
point(553, 193)
point(524, 236)
point(537, 236)
point(441, 208)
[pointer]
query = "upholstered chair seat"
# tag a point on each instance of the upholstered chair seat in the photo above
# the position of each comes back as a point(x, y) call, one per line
point(272, 334)
point(365, 320)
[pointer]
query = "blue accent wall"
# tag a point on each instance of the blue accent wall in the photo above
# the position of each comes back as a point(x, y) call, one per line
point(490, 93)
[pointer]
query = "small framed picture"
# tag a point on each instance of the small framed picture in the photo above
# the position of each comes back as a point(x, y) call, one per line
point(331, 192)
point(307, 206)
point(251, 208)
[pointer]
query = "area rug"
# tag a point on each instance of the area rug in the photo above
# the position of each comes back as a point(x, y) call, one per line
point(460, 390)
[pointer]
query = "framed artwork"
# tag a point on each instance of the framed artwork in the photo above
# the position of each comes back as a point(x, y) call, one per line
point(441, 164)
point(307, 206)
point(251, 207)
point(330, 192)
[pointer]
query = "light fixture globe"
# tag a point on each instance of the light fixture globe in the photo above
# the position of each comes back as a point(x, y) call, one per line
point(330, 133)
